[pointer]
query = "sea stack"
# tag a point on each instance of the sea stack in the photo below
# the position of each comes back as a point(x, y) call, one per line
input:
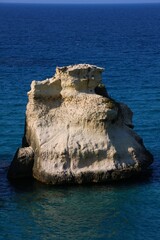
point(76, 133)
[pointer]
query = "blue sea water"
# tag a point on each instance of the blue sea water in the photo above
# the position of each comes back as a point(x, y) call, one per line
point(125, 40)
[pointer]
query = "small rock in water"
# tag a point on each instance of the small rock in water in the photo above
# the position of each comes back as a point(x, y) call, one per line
point(22, 164)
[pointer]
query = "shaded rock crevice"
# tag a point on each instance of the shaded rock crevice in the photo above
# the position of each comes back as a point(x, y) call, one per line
point(22, 164)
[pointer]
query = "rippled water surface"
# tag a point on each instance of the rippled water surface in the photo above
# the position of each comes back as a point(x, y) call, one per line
point(124, 39)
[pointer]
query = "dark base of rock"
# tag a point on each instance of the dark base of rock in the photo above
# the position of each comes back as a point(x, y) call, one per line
point(94, 177)
point(22, 168)
point(66, 177)
point(22, 164)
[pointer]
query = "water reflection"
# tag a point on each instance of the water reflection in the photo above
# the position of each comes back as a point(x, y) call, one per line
point(89, 212)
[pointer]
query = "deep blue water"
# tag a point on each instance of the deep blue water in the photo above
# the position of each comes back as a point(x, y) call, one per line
point(125, 40)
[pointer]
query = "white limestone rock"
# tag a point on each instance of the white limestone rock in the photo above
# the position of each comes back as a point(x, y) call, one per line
point(77, 135)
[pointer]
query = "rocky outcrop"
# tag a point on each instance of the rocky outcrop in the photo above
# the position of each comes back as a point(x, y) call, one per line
point(78, 133)
point(22, 164)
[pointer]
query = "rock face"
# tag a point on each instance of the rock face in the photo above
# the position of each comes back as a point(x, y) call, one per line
point(78, 133)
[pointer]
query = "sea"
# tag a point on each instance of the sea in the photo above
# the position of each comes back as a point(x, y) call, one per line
point(125, 40)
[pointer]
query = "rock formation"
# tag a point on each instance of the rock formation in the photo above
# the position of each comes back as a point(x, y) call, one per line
point(77, 132)
point(22, 164)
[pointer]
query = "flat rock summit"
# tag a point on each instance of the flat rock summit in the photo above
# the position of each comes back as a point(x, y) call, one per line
point(76, 133)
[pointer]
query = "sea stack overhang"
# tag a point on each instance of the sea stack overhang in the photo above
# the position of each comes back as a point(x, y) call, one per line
point(76, 133)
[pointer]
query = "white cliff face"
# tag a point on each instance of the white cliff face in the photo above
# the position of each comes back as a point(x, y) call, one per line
point(77, 135)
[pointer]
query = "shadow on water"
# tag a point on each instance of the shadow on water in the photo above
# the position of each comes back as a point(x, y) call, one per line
point(32, 185)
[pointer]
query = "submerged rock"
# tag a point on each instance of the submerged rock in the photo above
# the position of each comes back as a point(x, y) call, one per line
point(78, 133)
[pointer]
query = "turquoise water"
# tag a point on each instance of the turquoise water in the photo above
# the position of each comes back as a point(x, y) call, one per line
point(124, 39)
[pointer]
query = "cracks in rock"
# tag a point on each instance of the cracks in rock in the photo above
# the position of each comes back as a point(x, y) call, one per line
point(68, 159)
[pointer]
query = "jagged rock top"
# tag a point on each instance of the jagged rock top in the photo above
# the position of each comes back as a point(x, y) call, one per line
point(88, 68)
point(68, 81)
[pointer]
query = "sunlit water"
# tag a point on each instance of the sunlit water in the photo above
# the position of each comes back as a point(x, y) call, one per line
point(125, 41)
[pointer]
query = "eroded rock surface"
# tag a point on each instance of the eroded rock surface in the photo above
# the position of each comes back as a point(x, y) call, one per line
point(79, 134)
